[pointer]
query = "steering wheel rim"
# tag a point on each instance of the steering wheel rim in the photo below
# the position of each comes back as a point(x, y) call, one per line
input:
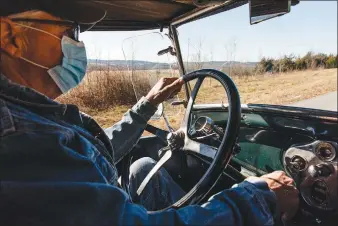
point(223, 154)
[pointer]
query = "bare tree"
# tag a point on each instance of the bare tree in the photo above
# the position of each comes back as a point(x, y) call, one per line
point(187, 62)
point(230, 56)
point(231, 49)
point(198, 57)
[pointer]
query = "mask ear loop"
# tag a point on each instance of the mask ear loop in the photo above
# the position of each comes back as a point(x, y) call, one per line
point(31, 62)
point(36, 29)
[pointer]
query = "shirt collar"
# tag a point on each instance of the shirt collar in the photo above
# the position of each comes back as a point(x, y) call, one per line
point(27, 97)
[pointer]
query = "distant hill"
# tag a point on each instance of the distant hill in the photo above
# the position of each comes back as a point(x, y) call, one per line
point(147, 65)
point(220, 64)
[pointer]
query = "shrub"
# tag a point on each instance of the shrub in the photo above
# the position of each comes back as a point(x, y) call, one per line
point(308, 59)
point(319, 61)
point(331, 61)
point(265, 65)
point(284, 64)
point(300, 64)
point(290, 63)
point(106, 88)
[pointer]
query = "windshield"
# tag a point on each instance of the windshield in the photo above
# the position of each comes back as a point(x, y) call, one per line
point(289, 60)
point(123, 67)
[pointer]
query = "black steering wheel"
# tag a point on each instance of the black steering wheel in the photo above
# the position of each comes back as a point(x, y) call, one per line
point(181, 140)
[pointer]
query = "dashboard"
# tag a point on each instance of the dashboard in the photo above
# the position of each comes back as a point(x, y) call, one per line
point(263, 137)
point(306, 148)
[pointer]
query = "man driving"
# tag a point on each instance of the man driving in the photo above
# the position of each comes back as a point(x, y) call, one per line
point(57, 165)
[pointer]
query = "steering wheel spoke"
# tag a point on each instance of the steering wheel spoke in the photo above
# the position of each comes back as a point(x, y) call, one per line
point(167, 155)
point(200, 148)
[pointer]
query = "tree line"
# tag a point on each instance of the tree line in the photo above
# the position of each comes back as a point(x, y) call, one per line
point(292, 63)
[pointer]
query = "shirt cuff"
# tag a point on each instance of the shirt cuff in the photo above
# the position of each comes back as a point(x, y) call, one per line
point(144, 109)
point(268, 195)
point(258, 182)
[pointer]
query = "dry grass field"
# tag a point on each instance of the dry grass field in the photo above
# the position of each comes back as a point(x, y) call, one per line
point(107, 96)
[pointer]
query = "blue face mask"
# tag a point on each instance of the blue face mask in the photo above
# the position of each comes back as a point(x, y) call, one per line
point(74, 65)
point(74, 62)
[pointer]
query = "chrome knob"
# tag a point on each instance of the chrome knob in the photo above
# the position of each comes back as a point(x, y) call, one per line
point(321, 170)
point(176, 140)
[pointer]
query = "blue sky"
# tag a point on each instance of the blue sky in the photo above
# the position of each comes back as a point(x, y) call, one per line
point(311, 26)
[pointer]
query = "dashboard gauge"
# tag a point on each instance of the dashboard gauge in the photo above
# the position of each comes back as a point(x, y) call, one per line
point(298, 163)
point(204, 124)
point(325, 151)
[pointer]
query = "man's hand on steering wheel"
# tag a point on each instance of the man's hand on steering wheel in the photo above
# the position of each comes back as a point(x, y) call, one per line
point(164, 89)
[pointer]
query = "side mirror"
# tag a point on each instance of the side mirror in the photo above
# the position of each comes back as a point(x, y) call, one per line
point(261, 10)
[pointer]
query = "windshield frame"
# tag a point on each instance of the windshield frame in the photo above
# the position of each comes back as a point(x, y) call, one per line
point(190, 17)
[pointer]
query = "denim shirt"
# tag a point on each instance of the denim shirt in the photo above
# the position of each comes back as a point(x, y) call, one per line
point(57, 167)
